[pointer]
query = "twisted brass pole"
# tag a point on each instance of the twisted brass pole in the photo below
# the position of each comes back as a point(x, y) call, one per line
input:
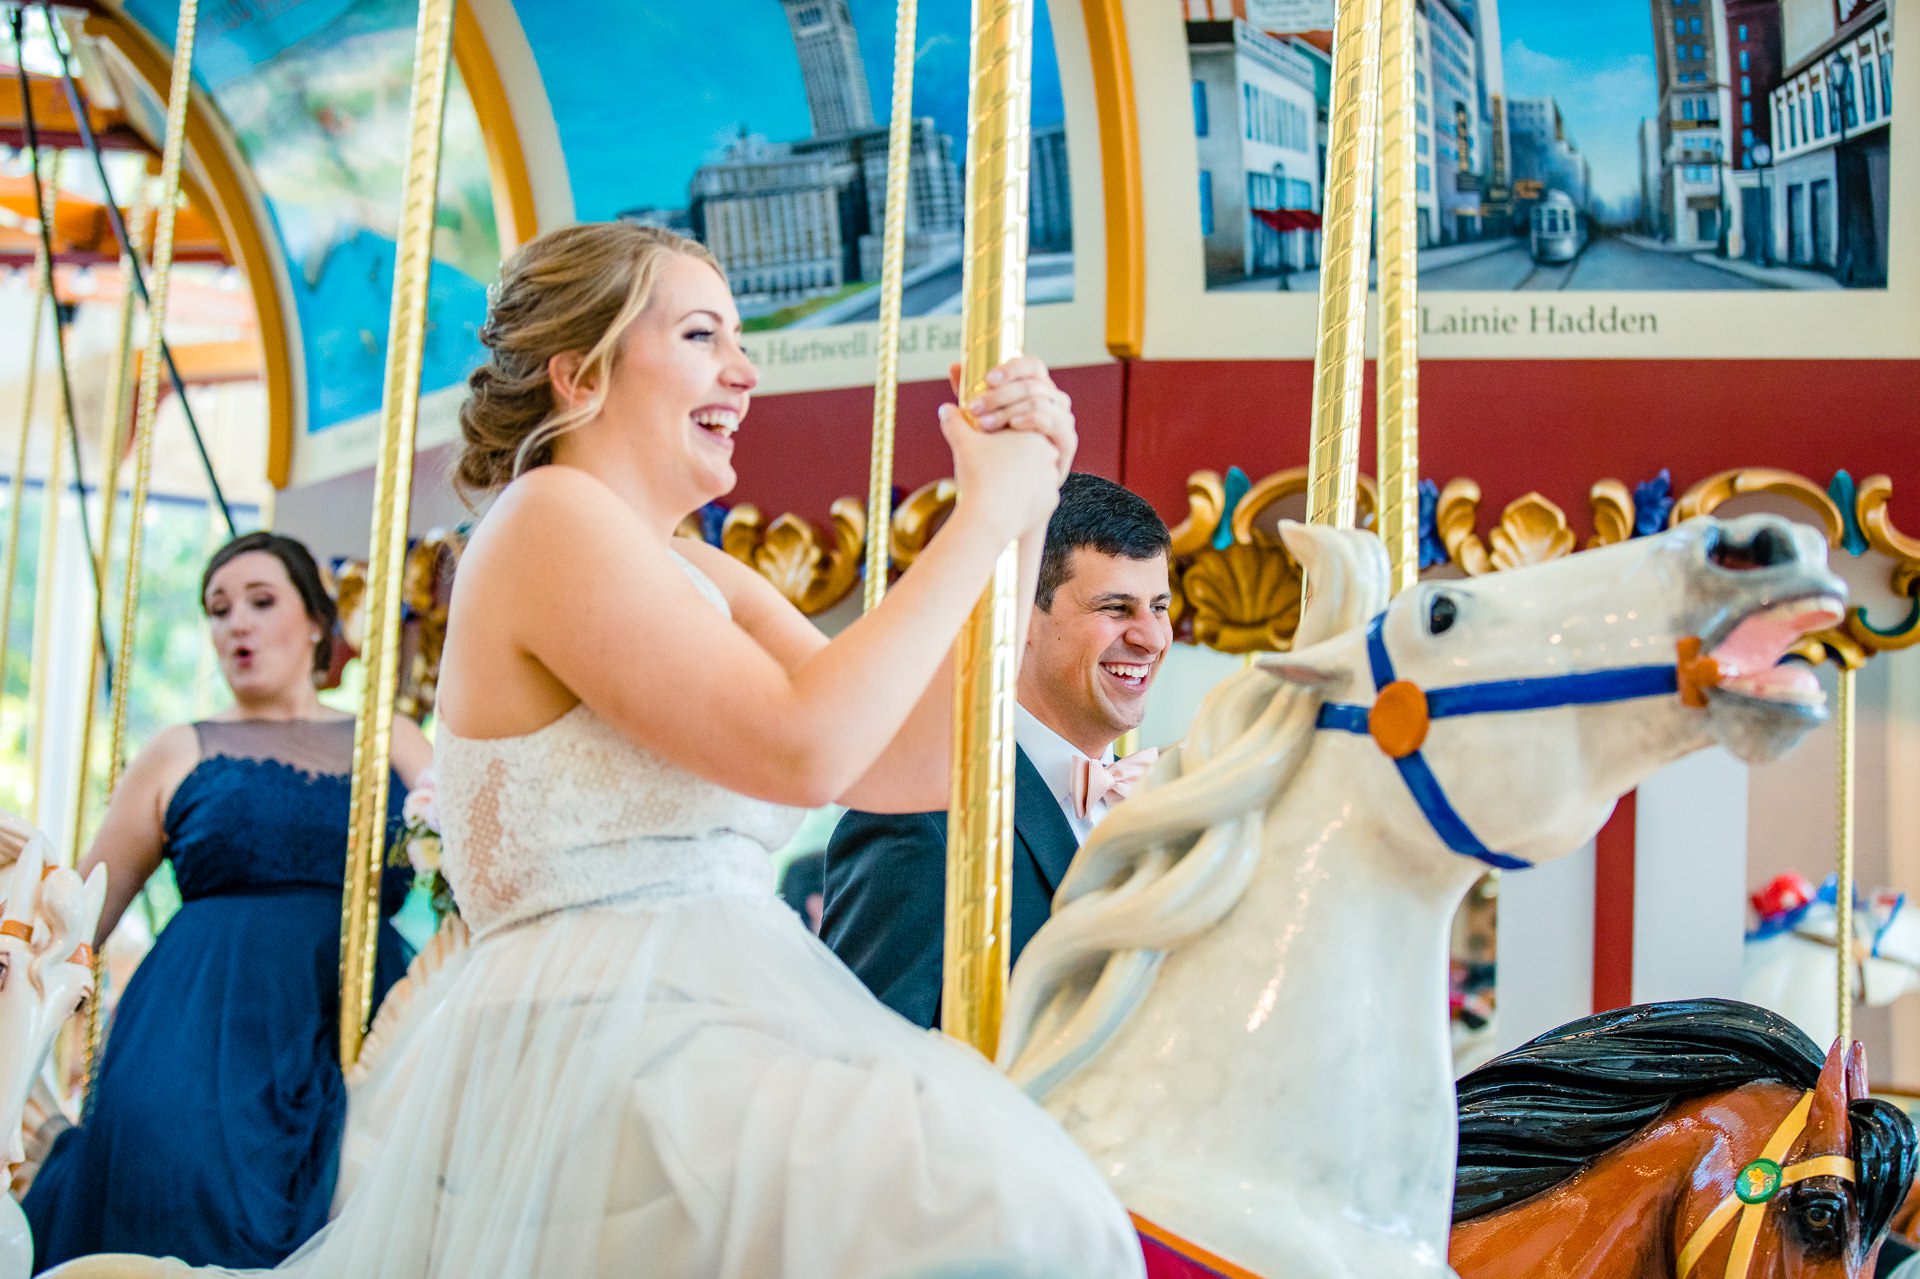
point(1397, 422)
point(39, 660)
point(893, 258)
point(1339, 362)
point(392, 501)
point(1843, 724)
point(980, 810)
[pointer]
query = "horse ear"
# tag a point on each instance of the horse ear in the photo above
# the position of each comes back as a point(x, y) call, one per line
point(96, 895)
point(24, 888)
point(1827, 1127)
point(1857, 1073)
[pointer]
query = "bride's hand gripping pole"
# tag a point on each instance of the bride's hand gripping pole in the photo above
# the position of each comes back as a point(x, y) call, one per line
point(392, 494)
point(980, 810)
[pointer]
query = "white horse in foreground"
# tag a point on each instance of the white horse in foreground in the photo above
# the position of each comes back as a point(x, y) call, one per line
point(1790, 962)
point(1239, 1005)
point(46, 975)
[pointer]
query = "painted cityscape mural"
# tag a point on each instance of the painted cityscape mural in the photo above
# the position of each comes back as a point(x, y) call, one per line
point(760, 126)
point(317, 95)
point(1606, 145)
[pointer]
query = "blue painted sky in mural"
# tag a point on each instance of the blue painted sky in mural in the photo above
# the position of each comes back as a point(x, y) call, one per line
point(663, 86)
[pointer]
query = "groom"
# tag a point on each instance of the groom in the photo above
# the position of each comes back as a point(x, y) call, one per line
point(1098, 634)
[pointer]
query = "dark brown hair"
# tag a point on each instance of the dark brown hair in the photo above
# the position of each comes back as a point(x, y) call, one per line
point(301, 571)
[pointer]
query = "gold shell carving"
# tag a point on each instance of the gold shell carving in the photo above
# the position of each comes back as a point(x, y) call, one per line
point(791, 553)
point(1248, 524)
point(1707, 495)
point(1245, 599)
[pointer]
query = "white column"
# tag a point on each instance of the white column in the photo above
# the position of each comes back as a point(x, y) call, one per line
point(1545, 973)
point(1690, 879)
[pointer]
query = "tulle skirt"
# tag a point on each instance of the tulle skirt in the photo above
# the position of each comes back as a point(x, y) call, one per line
point(694, 1088)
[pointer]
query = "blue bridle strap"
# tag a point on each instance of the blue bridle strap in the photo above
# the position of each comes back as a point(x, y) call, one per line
point(1544, 692)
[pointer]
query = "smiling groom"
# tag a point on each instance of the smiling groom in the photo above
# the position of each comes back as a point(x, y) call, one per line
point(1099, 632)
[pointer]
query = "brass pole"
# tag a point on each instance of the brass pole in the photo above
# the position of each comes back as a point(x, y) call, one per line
point(1340, 356)
point(980, 811)
point(39, 660)
point(893, 259)
point(173, 156)
point(1397, 422)
point(1843, 723)
point(392, 493)
point(112, 446)
point(17, 499)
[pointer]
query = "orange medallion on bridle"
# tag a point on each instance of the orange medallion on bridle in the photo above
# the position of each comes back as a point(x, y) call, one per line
point(1758, 1184)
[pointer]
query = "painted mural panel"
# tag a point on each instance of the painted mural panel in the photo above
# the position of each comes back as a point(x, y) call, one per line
point(760, 126)
point(1616, 145)
point(316, 92)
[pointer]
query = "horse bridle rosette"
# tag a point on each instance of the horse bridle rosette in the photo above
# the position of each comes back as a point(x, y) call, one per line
point(1757, 1185)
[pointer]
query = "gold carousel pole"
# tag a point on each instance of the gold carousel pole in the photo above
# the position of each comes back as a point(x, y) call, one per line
point(39, 661)
point(17, 499)
point(1339, 363)
point(1843, 724)
point(112, 446)
point(172, 158)
point(392, 493)
point(980, 811)
point(893, 259)
point(1397, 423)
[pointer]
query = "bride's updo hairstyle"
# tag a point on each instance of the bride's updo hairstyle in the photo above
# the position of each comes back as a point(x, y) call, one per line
point(575, 289)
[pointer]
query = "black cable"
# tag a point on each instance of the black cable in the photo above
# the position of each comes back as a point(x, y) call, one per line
point(119, 221)
point(59, 344)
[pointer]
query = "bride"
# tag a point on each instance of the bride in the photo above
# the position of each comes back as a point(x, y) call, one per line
point(645, 1064)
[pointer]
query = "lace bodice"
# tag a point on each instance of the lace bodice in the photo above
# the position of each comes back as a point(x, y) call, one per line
point(573, 813)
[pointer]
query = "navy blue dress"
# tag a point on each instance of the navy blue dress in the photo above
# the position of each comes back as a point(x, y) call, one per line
point(217, 1116)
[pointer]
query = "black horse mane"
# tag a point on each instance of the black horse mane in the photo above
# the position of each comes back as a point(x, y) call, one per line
point(1534, 1117)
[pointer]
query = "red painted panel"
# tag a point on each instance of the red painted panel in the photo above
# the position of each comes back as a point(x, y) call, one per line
point(1613, 864)
point(1551, 425)
point(799, 452)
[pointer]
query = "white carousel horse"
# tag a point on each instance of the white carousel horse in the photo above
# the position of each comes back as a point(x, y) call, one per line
point(1789, 964)
point(46, 975)
point(1239, 1005)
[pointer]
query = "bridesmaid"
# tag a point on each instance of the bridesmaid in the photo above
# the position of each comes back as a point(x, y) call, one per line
point(217, 1115)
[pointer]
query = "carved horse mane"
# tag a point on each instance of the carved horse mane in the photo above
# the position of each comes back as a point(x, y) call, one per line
point(1154, 875)
point(1538, 1115)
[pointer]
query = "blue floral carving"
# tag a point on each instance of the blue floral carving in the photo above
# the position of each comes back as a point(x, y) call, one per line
point(712, 516)
point(1652, 503)
point(1432, 550)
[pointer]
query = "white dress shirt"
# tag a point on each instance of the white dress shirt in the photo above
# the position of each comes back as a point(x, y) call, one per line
point(1054, 756)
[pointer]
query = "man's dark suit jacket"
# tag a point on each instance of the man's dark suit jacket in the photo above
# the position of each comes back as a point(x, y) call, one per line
point(887, 888)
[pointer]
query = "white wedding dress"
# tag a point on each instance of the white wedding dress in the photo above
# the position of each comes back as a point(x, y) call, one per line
point(646, 1066)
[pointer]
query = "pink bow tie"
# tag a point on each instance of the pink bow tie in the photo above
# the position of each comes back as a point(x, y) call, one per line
point(1094, 782)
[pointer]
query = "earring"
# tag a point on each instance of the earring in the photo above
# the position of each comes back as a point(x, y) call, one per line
point(314, 638)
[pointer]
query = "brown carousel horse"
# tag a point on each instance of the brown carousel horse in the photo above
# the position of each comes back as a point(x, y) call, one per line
point(1702, 1139)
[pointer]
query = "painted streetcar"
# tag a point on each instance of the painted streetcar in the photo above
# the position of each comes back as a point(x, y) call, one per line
point(1558, 229)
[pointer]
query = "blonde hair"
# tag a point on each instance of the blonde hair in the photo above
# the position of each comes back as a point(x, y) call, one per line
point(575, 289)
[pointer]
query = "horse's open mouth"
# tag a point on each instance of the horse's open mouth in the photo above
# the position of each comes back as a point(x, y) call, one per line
point(1751, 663)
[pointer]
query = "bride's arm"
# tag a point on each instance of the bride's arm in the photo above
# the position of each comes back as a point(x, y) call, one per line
point(593, 597)
point(912, 773)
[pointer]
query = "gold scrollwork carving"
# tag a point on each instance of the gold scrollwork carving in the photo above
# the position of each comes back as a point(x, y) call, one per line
point(1532, 530)
point(918, 519)
point(1206, 503)
point(1611, 503)
point(1708, 494)
point(813, 574)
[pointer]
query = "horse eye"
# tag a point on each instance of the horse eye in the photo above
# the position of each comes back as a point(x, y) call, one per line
point(1441, 614)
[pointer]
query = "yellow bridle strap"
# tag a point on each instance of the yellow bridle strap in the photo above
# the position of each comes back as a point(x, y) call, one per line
point(1751, 1214)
